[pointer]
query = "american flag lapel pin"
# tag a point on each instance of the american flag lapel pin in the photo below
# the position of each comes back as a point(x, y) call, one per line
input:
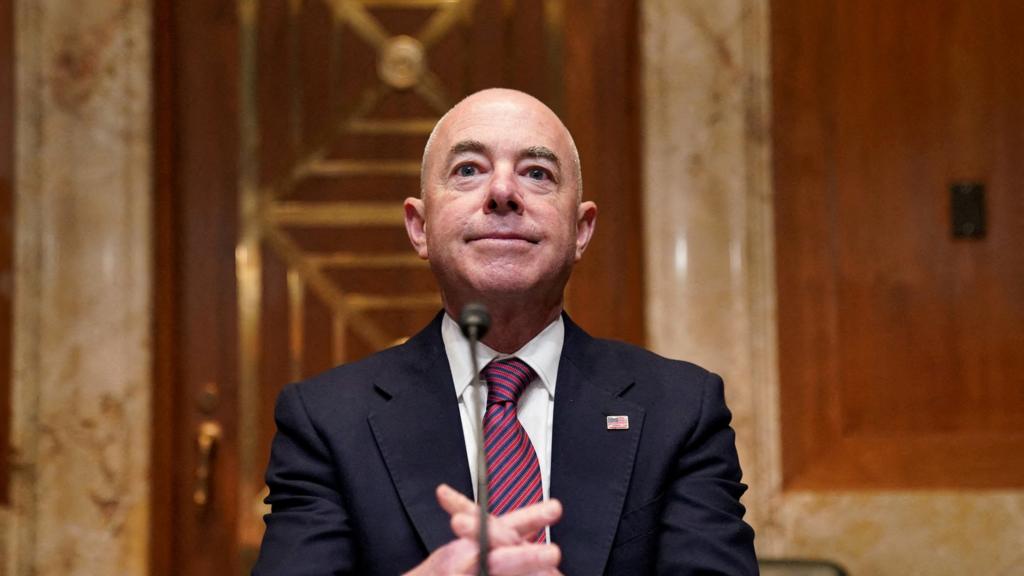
point(617, 422)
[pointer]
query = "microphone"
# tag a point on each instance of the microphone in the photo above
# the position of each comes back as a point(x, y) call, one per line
point(474, 320)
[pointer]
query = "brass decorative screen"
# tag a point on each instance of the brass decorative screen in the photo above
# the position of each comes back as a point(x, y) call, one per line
point(337, 98)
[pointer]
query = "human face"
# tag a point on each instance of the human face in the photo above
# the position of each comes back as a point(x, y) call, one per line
point(500, 217)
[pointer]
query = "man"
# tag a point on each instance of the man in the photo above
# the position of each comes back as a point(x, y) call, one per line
point(627, 463)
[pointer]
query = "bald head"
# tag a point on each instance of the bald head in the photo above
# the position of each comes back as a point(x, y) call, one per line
point(497, 101)
point(500, 217)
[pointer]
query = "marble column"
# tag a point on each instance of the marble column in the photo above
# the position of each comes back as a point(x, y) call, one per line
point(710, 291)
point(711, 299)
point(82, 376)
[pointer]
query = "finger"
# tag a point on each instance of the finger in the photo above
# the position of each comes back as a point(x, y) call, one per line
point(458, 557)
point(464, 557)
point(513, 528)
point(527, 521)
point(465, 525)
point(453, 501)
point(524, 559)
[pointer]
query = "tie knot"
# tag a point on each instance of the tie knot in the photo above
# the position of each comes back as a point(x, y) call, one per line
point(506, 380)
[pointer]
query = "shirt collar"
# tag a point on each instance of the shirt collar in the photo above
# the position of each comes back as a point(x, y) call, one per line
point(542, 353)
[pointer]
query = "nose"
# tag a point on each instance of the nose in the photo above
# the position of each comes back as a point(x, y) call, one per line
point(503, 194)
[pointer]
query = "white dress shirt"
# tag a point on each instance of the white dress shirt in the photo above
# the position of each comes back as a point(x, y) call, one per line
point(537, 404)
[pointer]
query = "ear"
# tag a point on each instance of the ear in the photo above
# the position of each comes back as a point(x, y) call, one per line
point(586, 221)
point(416, 225)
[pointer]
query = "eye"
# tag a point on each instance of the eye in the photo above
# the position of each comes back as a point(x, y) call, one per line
point(465, 170)
point(538, 174)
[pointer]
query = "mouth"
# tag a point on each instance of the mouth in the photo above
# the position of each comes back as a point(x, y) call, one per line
point(503, 237)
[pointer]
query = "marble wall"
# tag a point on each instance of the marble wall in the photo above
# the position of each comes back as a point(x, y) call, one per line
point(81, 381)
point(711, 299)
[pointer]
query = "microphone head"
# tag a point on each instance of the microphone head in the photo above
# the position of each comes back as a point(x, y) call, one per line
point(474, 319)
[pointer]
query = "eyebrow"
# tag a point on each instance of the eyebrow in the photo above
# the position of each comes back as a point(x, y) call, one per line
point(537, 152)
point(542, 153)
point(462, 147)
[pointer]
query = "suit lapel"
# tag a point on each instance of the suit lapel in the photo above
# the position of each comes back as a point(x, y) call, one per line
point(591, 466)
point(419, 434)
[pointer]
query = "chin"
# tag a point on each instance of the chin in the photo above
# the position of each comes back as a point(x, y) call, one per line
point(504, 286)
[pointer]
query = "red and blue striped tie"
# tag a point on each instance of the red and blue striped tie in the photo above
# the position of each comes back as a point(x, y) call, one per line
point(512, 466)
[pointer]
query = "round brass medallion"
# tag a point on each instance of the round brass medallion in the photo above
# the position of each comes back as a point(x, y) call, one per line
point(402, 62)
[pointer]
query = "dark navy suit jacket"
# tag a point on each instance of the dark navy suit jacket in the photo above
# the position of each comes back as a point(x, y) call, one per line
point(360, 450)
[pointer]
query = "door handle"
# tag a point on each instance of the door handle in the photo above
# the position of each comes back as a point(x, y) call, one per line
point(207, 436)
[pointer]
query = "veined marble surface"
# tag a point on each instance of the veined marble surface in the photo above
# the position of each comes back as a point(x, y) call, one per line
point(711, 299)
point(81, 382)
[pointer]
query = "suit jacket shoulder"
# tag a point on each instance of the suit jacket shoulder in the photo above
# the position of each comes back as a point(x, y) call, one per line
point(661, 496)
point(358, 454)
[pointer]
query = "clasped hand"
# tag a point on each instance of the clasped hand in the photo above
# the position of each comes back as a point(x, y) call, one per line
point(512, 552)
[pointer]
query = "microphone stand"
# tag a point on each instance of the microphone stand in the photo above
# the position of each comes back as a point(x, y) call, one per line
point(474, 321)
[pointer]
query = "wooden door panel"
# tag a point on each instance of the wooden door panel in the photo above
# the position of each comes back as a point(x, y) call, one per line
point(894, 333)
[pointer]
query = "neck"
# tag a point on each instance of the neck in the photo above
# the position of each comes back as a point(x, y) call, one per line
point(512, 325)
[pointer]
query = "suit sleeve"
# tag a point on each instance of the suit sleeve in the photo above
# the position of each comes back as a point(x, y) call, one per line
point(308, 530)
point(703, 531)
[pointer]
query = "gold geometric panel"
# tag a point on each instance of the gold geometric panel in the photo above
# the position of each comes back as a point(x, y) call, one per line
point(401, 65)
point(284, 222)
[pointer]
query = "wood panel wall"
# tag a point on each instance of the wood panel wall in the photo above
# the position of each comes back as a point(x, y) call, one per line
point(602, 111)
point(901, 347)
point(196, 149)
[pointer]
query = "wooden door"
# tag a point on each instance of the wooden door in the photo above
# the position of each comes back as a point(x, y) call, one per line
point(900, 339)
point(289, 132)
